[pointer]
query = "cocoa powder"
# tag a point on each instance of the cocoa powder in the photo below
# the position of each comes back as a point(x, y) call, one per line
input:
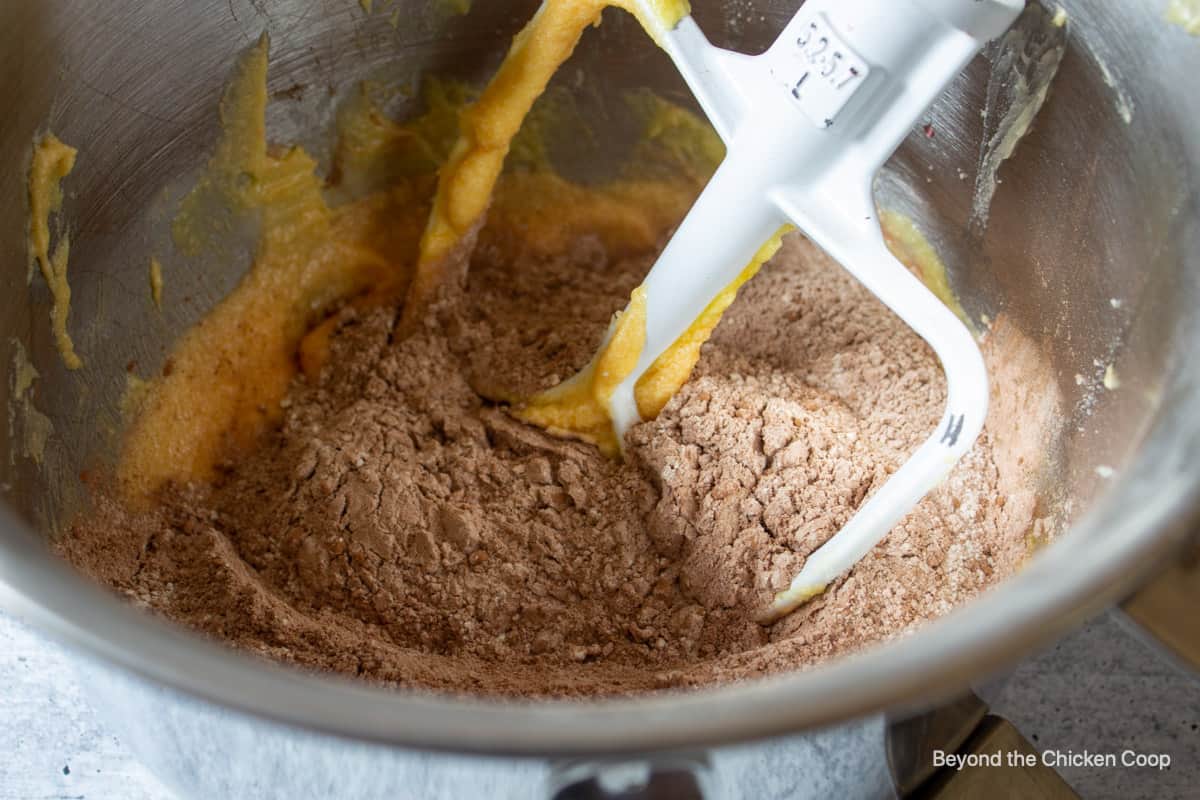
point(401, 527)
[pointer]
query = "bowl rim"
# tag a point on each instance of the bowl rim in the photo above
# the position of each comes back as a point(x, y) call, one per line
point(1134, 527)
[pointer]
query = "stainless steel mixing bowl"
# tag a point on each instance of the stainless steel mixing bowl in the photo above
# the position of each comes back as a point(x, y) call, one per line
point(1090, 208)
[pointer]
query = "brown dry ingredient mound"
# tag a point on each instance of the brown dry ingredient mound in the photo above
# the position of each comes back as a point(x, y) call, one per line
point(402, 528)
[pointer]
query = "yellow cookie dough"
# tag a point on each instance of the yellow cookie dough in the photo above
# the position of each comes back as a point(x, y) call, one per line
point(354, 236)
point(28, 428)
point(579, 406)
point(156, 282)
point(488, 127)
point(52, 161)
point(241, 357)
point(912, 249)
point(487, 130)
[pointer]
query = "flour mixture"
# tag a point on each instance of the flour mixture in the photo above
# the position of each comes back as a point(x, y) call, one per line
point(400, 527)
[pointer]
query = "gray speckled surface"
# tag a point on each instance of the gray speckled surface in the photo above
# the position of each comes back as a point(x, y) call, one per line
point(1104, 690)
point(51, 743)
point(1099, 690)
